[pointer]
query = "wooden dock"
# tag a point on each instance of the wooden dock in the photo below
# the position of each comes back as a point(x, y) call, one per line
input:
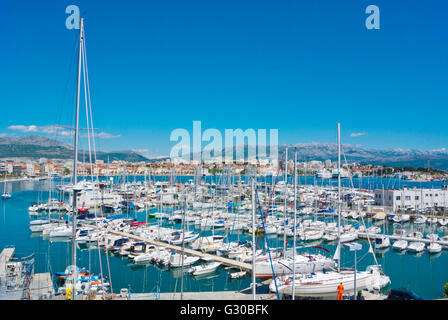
point(225, 261)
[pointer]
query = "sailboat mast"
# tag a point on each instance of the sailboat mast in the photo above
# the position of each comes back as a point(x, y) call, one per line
point(253, 239)
point(75, 158)
point(284, 208)
point(339, 198)
point(295, 229)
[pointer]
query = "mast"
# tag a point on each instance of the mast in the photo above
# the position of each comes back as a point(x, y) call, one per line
point(75, 158)
point(253, 239)
point(295, 228)
point(286, 196)
point(339, 199)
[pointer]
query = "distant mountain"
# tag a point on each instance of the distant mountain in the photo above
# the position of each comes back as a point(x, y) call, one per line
point(35, 147)
point(35, 141)
point(390, 157)
point(43, 147)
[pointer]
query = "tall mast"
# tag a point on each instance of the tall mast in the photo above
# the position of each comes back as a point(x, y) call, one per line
point(295, 229)
point(75, 158)
point(339, 198)
point(286, 196)
point(254, 289)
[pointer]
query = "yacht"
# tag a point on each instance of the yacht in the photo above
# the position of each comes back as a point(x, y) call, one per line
point(400, 245)
point(416, 246)
point(324, 283)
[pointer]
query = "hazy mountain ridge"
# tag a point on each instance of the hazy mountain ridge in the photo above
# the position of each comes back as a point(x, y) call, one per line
point(35, 147)
point(42, 147)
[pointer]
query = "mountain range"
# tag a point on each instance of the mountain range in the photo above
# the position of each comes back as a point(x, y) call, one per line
point(35, 146)
point(397, 157)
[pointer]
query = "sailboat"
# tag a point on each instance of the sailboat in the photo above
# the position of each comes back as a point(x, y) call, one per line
point(80, 284)
point(324, 283)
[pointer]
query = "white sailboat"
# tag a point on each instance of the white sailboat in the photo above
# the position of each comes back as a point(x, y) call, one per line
point(325, 283)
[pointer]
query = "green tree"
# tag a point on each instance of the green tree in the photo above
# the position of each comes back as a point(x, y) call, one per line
point(445, 287)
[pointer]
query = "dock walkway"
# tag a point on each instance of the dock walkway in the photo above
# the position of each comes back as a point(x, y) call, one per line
point(225, 261)
point(5, 257)
point(394, 237)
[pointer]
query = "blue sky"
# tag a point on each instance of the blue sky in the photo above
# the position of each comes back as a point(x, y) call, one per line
point(295, 66)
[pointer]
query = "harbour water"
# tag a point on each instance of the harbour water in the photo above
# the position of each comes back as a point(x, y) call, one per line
point(425, 274)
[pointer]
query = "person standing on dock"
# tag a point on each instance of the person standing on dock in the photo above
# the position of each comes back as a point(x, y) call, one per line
point(340, 291)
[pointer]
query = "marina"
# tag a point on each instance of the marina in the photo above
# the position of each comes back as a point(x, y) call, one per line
point(228, 215)
point(142, 278)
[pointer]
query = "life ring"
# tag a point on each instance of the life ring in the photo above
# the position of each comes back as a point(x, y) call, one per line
point(288, 281)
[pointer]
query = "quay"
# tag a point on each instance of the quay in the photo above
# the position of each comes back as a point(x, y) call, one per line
point(5, 257)
point(41, 287)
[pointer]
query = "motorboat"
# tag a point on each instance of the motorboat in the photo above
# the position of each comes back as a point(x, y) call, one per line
point(176, 260)
point(309, 235)
point(434, 247)
point(400, 245)
point(61, 231)
point(382, 242)
point(204, 268)
point(416, 247)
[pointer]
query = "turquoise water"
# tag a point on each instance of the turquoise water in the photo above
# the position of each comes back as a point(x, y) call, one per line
point(424, 274)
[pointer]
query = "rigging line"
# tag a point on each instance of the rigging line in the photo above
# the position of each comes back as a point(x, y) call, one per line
point(270, 198)
point(70, 68)
point(84, 59)
point(93, 142)
point(362, 219)
point(89, 102)
point(269, 251)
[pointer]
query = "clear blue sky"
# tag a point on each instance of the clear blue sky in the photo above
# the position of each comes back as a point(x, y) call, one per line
point(297, 66)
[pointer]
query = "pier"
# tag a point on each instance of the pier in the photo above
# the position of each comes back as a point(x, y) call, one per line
point(5, 257)
point(377, 235)
point(225, 261)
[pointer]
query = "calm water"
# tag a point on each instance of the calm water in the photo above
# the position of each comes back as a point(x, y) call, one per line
point(424, 274)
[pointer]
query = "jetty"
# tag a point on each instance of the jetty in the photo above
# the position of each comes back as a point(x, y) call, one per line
point(225, 261)
point(372, 236)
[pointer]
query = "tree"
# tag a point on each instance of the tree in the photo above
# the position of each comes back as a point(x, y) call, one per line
point(445, 287)
point(66, 171)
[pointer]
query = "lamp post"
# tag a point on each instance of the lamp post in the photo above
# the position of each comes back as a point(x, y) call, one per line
point(354, 246)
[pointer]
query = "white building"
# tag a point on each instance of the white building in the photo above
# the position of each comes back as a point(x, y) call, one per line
point(411, 198)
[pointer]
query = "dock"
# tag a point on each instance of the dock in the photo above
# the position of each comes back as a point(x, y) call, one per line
point(393, 237)
point(41, 287)
point(5, 257)
point(225, 261)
